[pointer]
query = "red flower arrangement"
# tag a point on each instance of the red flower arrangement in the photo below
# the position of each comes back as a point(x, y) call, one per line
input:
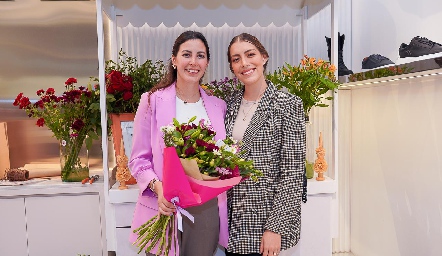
point(73, 117)
point(119, 83)
point(126, 81)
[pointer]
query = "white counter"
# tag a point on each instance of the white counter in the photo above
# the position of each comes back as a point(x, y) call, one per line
point(51, 217)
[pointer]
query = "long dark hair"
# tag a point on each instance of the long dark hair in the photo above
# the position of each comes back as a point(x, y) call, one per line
point(171, 73)
point(244, 37)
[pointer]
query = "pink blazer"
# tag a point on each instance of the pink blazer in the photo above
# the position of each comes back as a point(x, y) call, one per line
point(146, 161)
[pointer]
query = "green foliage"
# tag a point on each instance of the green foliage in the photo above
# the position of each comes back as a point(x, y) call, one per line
point(310, 80)
point(381, 72)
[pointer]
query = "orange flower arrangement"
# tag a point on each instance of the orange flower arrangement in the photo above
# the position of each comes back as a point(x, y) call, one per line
point(310, 80)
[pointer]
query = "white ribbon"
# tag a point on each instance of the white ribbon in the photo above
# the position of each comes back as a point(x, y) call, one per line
point(179, 212)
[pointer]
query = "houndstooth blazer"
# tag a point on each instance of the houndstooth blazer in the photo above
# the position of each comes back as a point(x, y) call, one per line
point(275, 141)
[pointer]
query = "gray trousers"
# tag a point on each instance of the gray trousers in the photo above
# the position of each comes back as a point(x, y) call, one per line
point(201, 237)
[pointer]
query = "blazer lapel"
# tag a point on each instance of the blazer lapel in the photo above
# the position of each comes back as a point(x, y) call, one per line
point(232, 111)
point(261, 116)
point(165, 110)
point(214, 109)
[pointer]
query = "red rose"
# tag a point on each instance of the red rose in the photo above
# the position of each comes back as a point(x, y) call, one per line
point(40, 92)
point(17, 99)
point(78, 125)
point(70, 81)
point(39, 104)
point(127, 83)
point(127, 95)
point(190, 151)
point(40, 122)
point(115, 80)
point(211, 147)
point(51, 91)
point(24, 102)
point(110, 89)
point(201, 143)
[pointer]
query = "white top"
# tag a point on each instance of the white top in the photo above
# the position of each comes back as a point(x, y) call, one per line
point(185, 111)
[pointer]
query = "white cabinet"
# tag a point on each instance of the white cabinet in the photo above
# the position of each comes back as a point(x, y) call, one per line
point(123, 203)
point(13, 227)
point(63, 225)
point(52, 218)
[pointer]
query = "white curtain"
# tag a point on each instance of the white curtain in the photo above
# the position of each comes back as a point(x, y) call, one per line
point(284, 44)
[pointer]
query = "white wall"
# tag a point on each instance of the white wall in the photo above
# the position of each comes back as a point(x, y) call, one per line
point(396, 169)
point(380, 26)
point(43, 44)
point(318, 26)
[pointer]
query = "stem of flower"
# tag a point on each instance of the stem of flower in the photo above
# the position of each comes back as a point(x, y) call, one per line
point(72, 150)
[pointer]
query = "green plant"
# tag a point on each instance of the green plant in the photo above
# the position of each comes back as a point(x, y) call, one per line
point(310, 80)
point(126, 81)
point(381, 72)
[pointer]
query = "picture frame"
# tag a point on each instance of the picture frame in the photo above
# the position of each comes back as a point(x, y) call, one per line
point(122, 131)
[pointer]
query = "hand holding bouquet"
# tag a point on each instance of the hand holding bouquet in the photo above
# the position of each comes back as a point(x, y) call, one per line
point(196, 169)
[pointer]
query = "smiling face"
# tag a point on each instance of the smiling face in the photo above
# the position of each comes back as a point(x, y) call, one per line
point(191, 61)
point(246, 62)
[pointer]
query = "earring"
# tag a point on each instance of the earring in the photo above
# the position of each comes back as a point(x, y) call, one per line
point(173, 66)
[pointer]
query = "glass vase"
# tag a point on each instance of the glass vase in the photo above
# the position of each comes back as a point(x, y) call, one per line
point(310, 149)
point(74, 159)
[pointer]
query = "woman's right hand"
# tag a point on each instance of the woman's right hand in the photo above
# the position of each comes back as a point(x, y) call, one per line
point(164, 207)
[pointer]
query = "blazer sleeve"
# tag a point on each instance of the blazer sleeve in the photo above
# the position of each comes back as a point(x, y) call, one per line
point(285, 216)
point(141, 158)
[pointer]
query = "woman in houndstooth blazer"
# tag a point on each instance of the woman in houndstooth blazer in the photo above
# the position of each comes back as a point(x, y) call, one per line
point(264, 216)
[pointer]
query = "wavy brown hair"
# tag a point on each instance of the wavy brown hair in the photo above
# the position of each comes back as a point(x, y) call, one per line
point(171, 73)
point(244, 37)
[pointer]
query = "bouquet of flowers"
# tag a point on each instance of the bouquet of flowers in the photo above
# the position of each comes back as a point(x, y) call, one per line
point(73, 117)
point(310, 80)
point(196, 169)
point(224, 88)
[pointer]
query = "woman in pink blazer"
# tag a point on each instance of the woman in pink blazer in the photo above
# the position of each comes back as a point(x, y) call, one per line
point(179, 95)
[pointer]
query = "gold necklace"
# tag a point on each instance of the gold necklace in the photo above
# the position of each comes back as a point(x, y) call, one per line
point(253, 104)
point(180, 95)
point(248, 111)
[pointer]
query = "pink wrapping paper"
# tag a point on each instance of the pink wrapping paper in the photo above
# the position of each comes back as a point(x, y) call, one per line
point(191, 192)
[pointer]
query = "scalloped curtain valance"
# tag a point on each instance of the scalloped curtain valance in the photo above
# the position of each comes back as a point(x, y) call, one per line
point(284, 43)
